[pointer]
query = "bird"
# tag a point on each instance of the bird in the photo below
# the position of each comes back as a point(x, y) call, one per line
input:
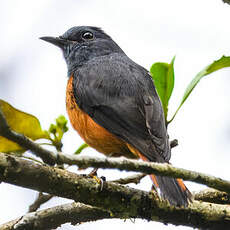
point(113, 104)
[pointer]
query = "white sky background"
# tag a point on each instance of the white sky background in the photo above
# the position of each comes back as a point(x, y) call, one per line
point(33, 76)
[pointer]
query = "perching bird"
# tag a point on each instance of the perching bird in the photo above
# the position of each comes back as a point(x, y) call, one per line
point(113, 104)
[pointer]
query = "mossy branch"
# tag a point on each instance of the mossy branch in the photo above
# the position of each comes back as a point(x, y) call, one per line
point(122, 164)
point(51, 218)
point(213, 196)
point(116, 199)
point(146, 167)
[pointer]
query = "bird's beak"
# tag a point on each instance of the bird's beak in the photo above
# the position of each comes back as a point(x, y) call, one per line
point(57, 41)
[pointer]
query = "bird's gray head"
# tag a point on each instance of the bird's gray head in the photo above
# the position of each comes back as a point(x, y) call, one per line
point(82, 43)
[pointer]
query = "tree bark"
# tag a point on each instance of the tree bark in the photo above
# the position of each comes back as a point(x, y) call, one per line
point(165, 169)
point(116, 199)
point(51, 218)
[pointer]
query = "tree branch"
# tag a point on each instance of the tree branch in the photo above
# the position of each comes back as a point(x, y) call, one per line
point(226, 1)
point(173, 143)
point(145, 167)
point(117, 199)
point(41, 199)
point(129, 165)
point(212, 196)
point(5, 131)
point(130, 179)
point(51, 218)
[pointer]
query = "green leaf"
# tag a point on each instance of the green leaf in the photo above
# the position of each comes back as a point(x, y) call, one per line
point(53, 129)
point(61, 122)
point(163, 76)
point(20, 122)
point(79, 150)
point(221, 63)
point(57, 131)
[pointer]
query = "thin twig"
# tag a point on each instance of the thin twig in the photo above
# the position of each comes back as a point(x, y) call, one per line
point(41, 199)
point(173, 143)
point(212, 196)
point(130, 179)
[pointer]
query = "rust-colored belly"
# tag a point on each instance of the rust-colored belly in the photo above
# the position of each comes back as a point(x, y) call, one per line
point(92, 133)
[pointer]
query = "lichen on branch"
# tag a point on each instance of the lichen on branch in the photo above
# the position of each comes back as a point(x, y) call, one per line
point(115, 198)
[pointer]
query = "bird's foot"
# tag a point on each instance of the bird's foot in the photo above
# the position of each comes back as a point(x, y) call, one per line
point(99, 180)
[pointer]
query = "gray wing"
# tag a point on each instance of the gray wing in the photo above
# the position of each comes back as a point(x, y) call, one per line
point(120, 96)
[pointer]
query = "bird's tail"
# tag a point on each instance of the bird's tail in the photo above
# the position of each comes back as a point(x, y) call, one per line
point(171, 189)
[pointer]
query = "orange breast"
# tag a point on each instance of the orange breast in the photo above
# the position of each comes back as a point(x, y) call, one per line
point(92, 133)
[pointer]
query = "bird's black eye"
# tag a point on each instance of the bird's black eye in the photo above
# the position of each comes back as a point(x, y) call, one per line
point(87, 35)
